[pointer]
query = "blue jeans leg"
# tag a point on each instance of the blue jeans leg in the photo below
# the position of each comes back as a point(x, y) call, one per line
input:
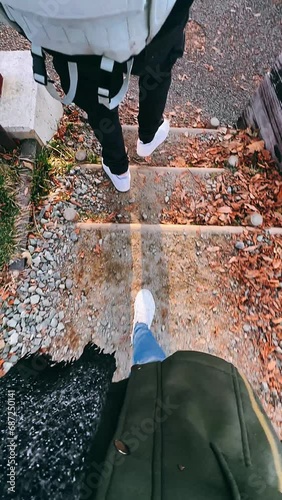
point(145, 347)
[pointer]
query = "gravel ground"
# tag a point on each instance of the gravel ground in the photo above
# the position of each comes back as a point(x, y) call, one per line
point(242, 41)
point(34, 312)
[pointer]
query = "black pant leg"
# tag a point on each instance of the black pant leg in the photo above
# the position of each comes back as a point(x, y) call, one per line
point(105, 123)
point(154, 85)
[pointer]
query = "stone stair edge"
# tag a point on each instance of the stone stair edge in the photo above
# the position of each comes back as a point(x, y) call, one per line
point(178, 228)
point(190, 131)
point(144, 169)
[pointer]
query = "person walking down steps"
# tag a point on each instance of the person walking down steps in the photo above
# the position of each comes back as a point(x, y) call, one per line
point(187, 426)
point(190, 427)
point(95, 47)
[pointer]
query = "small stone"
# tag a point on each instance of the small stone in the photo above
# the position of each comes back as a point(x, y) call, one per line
point(167, 199)
point(61, 315)
point(13, 340)
point(14, 348)
point(70, 214)
point(46, 342)
point(74, 237)
point(7, 366)
point(47, 235)
point(38, 319)
point(36, 261)
point(233, 161)
point(81, 155)
point(37, 342)
point(32, 289)
point(46, 303)
point(144, 216)
point(239, 245)
point(52, 313)
point(24, 351)
point(246, 328)
point(30, 249)
point(264, 387)
point(12, 323)
point(34, 299)
point(54, 323)
point(39, 328)
point(256, 220)
point(61, 327)
point(215, 123)
point(48, 256)
point(14, 359)
point(69, 283)
point(260, 238)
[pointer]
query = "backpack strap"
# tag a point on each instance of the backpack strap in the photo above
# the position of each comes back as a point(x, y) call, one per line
point(41, 76)
point(104, 93)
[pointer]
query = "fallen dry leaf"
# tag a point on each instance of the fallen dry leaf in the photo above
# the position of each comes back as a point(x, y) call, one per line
point(224, 210)
point(213, 249)
point(277, 321)
point(271, 366)
point(26, 255)
point(279, 197)
point(256, 146)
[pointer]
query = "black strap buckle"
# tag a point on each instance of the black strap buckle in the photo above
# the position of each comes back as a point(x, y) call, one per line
point(39, 69)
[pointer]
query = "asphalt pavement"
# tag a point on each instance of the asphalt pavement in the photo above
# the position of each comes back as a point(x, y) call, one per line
point(242, 39)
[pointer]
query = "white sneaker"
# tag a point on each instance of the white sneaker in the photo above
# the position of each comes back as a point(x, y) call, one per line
point(160, 137)
point(144, 309)
point(121, 182)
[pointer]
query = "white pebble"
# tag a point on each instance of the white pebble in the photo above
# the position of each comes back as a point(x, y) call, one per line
point(81, 155)
point(12, 323)
point(256, 219)
point(70, 214)
point(54, 323)
point(7, 366)
point(34, 299)
point(69, 284)
point(215, 122)
point(239, 245)
point(233, 161)
point(13, 340)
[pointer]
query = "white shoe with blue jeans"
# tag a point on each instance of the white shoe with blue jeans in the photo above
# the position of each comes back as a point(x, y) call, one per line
point(145, 347)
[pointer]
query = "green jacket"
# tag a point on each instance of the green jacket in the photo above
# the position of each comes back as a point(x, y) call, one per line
point(191, 428)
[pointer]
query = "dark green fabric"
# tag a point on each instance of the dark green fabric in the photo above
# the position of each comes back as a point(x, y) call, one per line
point(192, 433)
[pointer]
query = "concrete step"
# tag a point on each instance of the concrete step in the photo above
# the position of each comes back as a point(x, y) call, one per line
point(112, 262)
point(184, 147)
point(151, 191)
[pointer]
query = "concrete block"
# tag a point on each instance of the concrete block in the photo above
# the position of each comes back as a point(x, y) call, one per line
point(26, 109)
